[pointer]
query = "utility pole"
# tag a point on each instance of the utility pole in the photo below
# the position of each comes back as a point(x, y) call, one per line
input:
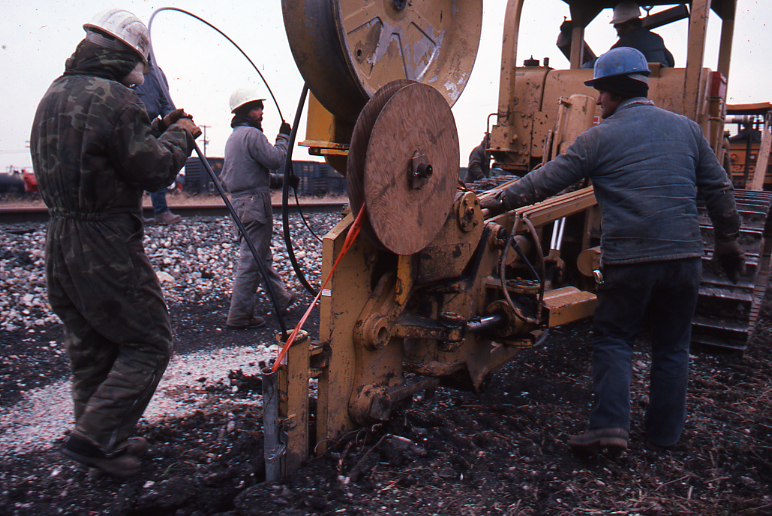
point(205, 141)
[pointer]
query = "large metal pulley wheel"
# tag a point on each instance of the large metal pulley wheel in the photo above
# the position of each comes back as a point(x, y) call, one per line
point(346, 50)
point(403, 166)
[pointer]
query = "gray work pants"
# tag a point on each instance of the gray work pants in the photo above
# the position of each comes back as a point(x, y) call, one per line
point(257, 217)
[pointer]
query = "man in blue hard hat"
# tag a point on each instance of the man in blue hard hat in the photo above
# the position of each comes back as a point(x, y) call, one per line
point(646, 165)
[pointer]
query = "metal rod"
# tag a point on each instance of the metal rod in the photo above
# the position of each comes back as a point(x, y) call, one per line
point(560, 234)
point(272, 447)
point(485, 323)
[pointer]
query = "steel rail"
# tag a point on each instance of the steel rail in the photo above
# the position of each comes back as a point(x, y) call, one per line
point(33, 214)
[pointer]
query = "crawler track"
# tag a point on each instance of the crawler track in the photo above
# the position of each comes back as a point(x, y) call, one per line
point(727, 313)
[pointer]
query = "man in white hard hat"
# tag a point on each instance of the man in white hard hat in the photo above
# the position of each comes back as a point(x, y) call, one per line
point(646, 165)
point(94, 151)
point(479, 164)
point(629, 26)
point(249, 160)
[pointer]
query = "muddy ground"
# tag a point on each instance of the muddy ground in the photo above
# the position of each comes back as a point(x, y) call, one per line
point(499, 453)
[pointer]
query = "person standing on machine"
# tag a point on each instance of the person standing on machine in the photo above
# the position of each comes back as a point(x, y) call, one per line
point(479, 162)
point(246, 173)
point(629, 26)
point(646, 165)
point(154, 95)
point(94, 151)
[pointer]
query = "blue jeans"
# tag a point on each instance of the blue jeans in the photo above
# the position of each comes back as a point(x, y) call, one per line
point(662, 294)
point(159, 201)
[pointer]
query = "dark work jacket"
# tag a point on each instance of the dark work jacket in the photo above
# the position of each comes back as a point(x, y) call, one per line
point(646, 166)
point(479, 164)
point(649, 44)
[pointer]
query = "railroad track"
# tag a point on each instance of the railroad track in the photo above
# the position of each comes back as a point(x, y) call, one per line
point(30, 214)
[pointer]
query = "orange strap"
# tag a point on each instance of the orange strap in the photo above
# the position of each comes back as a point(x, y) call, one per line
point(350, 236)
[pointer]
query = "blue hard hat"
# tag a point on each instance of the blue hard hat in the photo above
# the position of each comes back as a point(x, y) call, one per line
point(621, 61)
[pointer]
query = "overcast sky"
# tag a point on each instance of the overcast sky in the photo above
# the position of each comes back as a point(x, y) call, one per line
point(37, 36)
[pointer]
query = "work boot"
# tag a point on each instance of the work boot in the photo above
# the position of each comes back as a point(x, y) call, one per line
point(595, 440)
point(255, 322)
point(120, 464)
point(658, 448)
point(167, 218)
point(288, 303)
point(148, 222)
point(138, 446)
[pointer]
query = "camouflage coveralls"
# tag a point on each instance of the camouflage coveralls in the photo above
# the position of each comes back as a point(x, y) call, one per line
point(94, 152)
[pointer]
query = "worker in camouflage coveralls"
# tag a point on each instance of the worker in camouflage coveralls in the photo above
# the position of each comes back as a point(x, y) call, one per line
point(94, 151)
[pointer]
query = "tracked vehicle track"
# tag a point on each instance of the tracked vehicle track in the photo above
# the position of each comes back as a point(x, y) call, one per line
point(727, 313)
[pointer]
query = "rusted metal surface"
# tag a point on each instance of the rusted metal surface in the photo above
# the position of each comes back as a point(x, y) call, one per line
point(405, 125)
point(346, 50)
point(568, 304)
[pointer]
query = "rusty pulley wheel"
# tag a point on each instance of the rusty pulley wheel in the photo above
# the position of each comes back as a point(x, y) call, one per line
point(403, 164)
point(346, 50)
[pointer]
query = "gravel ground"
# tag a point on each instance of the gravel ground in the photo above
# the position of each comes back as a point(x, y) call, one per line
point(194, 261)
point(499, 453)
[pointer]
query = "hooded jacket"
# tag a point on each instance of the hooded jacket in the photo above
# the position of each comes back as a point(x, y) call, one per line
point(92, 145)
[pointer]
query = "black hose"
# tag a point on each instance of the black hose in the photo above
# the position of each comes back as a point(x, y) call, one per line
point(150, 23)
point(242, 230)
point(285, 195)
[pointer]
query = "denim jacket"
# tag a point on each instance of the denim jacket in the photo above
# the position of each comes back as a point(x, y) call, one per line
point(646, 165)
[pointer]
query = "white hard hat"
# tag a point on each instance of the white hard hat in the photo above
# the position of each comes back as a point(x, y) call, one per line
point(124, 27)
point(625, 11)
point(244, 96)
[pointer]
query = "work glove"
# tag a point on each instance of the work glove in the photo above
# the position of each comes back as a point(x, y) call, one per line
point(495, 205)
point(189, 126)
point(294, 181)
point(728, 254)
point(285, 128)
point(172, 118)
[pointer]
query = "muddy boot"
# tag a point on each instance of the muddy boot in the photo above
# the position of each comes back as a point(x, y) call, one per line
point(596, 440)
point(138, 446)
point(288, 303)
point(255, 322)
point(120, 463)
point(167, 218)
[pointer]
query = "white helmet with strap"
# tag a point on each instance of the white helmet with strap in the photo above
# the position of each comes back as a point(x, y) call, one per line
point(244, 96)
point(116, 29)
point(625, 11)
